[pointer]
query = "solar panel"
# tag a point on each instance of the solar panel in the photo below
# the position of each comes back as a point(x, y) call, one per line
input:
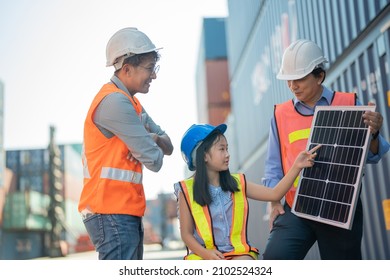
point(328, 191)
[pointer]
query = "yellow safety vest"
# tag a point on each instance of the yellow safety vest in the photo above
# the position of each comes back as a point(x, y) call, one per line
point(203, 222)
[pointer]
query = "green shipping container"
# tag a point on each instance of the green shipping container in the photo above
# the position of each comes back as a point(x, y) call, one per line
point(26, 210)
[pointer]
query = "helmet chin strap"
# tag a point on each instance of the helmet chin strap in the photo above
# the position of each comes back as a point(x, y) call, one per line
point(119, 63)
point(193, 154)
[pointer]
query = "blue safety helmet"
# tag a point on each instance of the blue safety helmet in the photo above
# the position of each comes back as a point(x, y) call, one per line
point(192, 139)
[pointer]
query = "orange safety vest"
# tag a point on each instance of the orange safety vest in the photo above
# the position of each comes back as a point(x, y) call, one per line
point(112, 184)
point(203, 221)
point(294, 131)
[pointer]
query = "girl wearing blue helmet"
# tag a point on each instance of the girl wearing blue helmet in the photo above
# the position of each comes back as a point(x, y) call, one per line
point(213, 206)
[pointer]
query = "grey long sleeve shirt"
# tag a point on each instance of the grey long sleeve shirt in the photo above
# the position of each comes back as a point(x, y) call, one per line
point(116, 115)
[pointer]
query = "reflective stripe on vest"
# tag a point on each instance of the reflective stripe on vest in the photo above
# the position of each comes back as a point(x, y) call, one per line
point(121, 175)
point(299, 135)
point(302, 134)
point(294, 131)
point(203, 223)
point(240, 215)
point(201, 214)
point(85, 164)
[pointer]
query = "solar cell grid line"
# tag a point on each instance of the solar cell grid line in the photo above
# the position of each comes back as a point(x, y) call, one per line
point(328, 191)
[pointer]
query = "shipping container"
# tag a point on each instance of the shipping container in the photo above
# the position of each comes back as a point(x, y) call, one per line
point(73, 171)
point(218, 95)
point(75, 231)
point(2, 152)
point(160, 220)
point(213, 96)
point(355, 37)
point(31, 170)
point(9, 181)
point(26, 210)
point(22, 245)
point(27, 194)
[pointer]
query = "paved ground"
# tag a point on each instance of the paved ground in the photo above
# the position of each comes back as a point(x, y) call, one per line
point(151, 253)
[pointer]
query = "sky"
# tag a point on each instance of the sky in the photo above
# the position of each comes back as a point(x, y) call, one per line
point(52, 63)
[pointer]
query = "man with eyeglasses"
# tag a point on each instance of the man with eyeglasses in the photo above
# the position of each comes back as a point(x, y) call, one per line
point(120, 138)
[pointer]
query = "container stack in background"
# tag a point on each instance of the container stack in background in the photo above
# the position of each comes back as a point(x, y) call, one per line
point(3, 170)
point(25, 199)
point(25, 224)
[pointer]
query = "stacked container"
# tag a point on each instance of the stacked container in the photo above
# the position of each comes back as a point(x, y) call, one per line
point(25, 220)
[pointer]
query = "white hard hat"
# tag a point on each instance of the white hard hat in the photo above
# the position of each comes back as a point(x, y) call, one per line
point(127, 41)
point(300, 59)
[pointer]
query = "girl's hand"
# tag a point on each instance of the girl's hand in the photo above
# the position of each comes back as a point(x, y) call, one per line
point(306, 158)
point(213, 255)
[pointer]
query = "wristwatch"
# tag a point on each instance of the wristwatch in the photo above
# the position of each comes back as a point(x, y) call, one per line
point(375, 135)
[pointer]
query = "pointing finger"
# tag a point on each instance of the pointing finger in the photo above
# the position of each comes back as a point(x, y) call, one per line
point(315, 149)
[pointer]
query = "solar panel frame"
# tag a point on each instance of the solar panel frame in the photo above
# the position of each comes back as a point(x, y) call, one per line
point(328, 191)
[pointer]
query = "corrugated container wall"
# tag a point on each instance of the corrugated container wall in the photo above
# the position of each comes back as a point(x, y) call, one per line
point(254, 88)
point(358, 51)
point(2, 155)
point(355, 38)
point(248, 10)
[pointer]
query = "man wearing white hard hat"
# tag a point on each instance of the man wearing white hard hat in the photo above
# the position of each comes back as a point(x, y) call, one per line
point(120, 138)
point(291, 237)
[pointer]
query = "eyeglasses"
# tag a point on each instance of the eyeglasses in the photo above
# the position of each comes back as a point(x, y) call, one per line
point(151, 70)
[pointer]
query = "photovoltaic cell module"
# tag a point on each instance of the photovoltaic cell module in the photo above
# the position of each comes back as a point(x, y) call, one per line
point(328, 191)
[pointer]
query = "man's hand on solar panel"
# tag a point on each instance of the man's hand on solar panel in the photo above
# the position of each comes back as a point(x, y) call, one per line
point(374, 120)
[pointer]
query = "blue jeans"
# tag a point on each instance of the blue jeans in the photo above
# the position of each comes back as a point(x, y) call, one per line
point(116, 236)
